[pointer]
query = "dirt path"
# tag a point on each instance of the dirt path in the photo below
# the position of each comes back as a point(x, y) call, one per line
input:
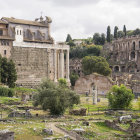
point(52, 125)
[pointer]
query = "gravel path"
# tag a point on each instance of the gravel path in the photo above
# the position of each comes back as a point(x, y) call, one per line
point(52, 125)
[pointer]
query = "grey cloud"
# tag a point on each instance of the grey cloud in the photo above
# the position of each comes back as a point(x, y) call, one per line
point(73, 3)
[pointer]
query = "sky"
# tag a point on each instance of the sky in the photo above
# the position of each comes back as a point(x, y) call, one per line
point(79, 18)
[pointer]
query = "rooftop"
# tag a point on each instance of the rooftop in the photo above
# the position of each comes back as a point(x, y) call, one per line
point(22, 21)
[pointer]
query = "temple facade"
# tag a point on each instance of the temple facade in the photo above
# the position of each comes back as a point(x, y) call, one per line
point(31, 47)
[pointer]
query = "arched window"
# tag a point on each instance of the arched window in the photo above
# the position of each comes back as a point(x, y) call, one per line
point(17, 32)
point(134, 44)
point(20, 32)
point(132, 55)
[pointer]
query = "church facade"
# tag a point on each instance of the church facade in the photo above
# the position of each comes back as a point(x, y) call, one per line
point(31, 47)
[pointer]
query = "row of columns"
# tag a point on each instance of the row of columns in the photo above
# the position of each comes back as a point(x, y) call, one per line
point(59, 65)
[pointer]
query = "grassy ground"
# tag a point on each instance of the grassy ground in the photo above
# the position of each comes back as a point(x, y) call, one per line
point(25, 128)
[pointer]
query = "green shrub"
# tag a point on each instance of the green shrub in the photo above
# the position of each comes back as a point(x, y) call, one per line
point(120, 97)
point(7, 92)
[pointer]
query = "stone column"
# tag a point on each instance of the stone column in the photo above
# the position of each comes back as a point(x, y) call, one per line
point(136, 55)
point(55, 66)
point(48, 75)
point(58, 65)
point(67, 66)
point(61, 64)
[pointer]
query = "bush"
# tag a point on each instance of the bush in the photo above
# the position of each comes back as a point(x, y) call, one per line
point(7, 92)
point(56, 98)
point(120, 97)
point(73, 78)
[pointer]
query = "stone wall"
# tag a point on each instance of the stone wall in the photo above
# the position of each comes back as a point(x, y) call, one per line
point(31, 64)
point(101, 83)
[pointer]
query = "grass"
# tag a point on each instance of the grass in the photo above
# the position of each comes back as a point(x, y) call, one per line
point(25, 129)
point(5, 100)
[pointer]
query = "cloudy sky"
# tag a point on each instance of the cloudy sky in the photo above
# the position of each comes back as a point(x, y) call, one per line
point(80, 18)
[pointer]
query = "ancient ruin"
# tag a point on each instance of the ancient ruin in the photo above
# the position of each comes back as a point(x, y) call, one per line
point(123, 55)
point(101, 84)
point(31, 47)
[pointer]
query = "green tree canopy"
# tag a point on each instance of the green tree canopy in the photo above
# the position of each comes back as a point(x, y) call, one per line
point(8, 73)
point(12, 75)
point(56, 98)
point(73, 78)
point(88, 50)
point(120, 97)
point(91, 64)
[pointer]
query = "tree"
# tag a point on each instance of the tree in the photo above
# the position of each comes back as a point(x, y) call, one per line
point(4, 70)
point(73, 78)
point(136, 32)
point(71, 43)
point(120, 97)
point(12, 75)
point(124, 30)
point(116, 32)
point(56, 98)
point(7, 72)
point(97, 39)
point(68, 39)
point(103, 39)
point(91, 64)
point(121, 34)
point(108, 34)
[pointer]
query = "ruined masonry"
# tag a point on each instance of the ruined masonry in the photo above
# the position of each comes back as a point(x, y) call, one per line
point(30, 46)
point(123, 55)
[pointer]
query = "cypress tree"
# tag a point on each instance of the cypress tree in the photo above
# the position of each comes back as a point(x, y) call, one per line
point(124, 30)
point(68, 39)
point(108, 34)
point(102, 39)
point(116, 32)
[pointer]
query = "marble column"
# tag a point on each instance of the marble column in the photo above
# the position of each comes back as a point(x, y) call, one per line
point(67, 66)
point(48, 73)
point(55, 66)
point(61, 64)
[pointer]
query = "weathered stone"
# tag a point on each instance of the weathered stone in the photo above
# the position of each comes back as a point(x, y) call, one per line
point(47, 131)
point(6, 135)
point(85, 84)
point(86, 123)
point(81, 112)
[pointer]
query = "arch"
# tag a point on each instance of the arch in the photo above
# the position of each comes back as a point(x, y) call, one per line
point(116, 69)
point(134, 46)
point(132, 55)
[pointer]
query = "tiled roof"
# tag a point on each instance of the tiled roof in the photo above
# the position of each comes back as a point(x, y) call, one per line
point(22, 21)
